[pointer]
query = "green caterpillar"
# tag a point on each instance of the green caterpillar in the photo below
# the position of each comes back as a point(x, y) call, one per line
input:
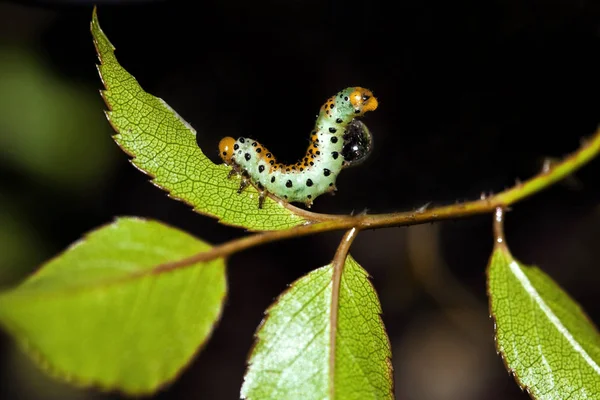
point(338, 141)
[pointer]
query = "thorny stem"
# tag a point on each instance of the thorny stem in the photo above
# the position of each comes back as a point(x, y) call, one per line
point(339, 260)
point(502, 200)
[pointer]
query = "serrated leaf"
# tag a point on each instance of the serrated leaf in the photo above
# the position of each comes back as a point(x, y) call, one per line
point(102, 314)
point(164, 146)
point(543, 335)
point(291, 358)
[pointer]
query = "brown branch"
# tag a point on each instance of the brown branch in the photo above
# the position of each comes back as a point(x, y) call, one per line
point(339, 260)
point(502, 200)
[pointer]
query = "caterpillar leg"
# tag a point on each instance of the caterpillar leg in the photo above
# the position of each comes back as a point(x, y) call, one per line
point(235, 170)
point(232, 173)
point(261, 198)
point(243, 184)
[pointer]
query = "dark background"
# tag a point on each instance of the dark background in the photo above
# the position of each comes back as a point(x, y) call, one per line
point(473, 95)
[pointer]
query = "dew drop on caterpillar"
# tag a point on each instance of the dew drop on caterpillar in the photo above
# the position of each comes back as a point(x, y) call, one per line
point(358, 143)
point(338, 141)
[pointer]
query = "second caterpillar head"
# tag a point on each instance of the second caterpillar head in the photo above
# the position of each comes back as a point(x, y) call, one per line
point(226, 149)
point(349, 103)
point(363, 100)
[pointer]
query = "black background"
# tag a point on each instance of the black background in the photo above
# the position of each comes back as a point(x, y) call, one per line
point(473, 95)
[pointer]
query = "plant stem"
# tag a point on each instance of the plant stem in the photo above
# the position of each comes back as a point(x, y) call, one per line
point(499, 241)
point(339, 260)
point(502, 200)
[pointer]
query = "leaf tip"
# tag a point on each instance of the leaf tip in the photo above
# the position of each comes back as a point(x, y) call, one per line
point(100, 40)
point(94, 25)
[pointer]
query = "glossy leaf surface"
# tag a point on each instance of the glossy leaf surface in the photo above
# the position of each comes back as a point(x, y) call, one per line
point(545, 338)
point(292, 358)
point(103, 313)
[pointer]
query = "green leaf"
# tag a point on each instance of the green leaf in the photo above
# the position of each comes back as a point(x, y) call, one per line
point(164, 146)
point(545, 338)
point(102, 314)
point(291, 358)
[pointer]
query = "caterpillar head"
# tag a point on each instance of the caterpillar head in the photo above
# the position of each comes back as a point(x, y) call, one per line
point(362, 100)
point(226, 149)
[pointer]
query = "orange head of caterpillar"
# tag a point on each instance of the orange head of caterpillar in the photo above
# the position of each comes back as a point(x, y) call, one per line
point(226, 149)
point(363, 100)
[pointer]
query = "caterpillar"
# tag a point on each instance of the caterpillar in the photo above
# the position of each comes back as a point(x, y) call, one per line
point(337, 141)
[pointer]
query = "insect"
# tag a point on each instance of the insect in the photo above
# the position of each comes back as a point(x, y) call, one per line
point(337, 141)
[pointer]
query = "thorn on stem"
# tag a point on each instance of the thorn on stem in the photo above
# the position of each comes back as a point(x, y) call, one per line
point(547, 165)
point(423, 208)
